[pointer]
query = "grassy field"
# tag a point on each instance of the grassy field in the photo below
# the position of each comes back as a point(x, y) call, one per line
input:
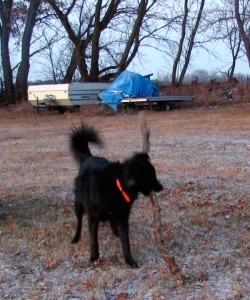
point(202, 159)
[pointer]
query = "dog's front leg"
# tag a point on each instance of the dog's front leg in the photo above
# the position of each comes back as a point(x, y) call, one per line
point(123, 228)
point(93, 233)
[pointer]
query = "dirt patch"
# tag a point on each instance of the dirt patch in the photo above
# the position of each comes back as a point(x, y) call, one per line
point(202, 159)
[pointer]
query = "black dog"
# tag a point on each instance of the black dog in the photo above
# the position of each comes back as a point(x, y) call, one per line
point(105, 190)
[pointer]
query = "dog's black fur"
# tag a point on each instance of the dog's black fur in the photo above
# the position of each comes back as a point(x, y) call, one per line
point(96, 192)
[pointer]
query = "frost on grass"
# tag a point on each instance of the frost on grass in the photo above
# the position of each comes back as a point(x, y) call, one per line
point(202, 158)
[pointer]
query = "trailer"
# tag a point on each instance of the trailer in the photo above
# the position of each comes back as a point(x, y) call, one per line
point(65, 96)
point(162, 102)
point(131, 89)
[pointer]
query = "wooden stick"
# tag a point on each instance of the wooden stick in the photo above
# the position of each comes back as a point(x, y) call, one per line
point(145, 132)
point(159, 241)
point(156, 210)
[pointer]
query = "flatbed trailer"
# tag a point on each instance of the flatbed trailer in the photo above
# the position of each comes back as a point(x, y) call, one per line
point(163, 102)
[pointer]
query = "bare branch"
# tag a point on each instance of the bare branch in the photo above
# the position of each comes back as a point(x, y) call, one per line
point(145, 132)
point(157, 234)
point(156, 211)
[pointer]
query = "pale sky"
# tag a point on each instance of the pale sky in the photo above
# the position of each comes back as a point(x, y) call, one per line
point(157, 64)
point(161, 65)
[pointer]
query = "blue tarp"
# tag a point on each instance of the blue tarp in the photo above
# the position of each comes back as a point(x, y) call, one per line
point(128, 84)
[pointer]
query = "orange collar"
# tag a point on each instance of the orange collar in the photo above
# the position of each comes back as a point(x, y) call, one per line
point(124, 194)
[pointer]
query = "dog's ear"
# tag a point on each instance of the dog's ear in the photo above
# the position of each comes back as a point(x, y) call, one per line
point(132, 169)
point(141, 156)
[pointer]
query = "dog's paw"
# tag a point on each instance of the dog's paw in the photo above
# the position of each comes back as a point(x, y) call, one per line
point(94, 258)
point(75, 240)
point(131, 262)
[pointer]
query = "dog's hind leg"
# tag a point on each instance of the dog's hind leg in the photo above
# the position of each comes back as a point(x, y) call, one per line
point(79, 214)
point(124, 238)
point(93, 233)
point(114, 228)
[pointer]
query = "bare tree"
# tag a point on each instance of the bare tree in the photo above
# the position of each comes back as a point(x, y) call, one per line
point(5, 31)
point(82, 34)
point(107, 36)
point(14, 15)
point(23, 70)
point(187, 40)
point(55, 61)
point(133, 42)
point(234, 40)
point(243, 20)
point(225, 29)
point(200, 75)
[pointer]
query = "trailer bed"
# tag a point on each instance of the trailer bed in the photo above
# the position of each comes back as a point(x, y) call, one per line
point(161, 101)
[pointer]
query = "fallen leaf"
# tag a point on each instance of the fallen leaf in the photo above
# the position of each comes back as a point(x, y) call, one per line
point(89, 283)
point(122, 296)
point(245, 238)
point(39, 230)
point(10, 226)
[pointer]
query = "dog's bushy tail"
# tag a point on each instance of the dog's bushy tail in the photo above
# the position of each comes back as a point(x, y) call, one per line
point(79, 141)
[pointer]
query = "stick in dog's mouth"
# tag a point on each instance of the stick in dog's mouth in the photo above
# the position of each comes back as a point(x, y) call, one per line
point(156, 211)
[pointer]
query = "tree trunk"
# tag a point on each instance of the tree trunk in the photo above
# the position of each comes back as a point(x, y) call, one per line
point(191, 44)
point(235, 49)
point(71, 68)
point(243, 33)
point(94, 70)
point(180, 47)
point(5, 28)
point(81, 61)
point(23, 70)
point(127, 57)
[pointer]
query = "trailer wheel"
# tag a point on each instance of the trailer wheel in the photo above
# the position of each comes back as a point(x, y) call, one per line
point(164, 106)
point(61, 110)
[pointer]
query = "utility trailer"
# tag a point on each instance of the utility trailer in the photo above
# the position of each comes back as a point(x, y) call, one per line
point(131, 89)
point(162, 102)
point(65, 96)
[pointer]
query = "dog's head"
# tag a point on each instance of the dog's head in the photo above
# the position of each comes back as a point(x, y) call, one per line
point(141, 174)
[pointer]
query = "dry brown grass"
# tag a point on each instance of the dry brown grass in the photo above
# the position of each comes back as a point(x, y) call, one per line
point(202, 158)
point(206, 93)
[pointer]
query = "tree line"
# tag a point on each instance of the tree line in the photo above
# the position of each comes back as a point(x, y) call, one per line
point(86, 40)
